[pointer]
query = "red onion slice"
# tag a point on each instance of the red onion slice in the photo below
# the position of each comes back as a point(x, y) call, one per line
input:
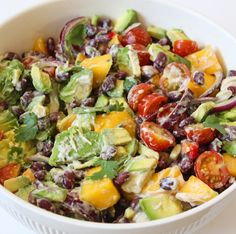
point(225, 105)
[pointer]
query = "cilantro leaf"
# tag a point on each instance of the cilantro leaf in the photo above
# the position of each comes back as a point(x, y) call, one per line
point(108, 170)
point(230, 147)
point(212, 121)
point(28, 130)
point(77, 35)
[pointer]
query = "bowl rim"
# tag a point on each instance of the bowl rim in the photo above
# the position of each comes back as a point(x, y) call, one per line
point(122, 226)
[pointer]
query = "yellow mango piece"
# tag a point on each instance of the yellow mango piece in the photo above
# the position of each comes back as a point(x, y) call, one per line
point(197, 89)
point(114, 41)
point(205, 60)
point(154, 183)
point(230, 162)
point(66, 122)
point(102, 194)
point(196, 192)
point(100, 65)
point(29, 174)
point(40, 45)
point(115, 119)
point(80, 57)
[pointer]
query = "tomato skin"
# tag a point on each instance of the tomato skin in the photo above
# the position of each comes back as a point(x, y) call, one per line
point(143, 55)
point(150, 104)
point(174, 76)
point(10, 171)
point(156, 137)
point(211, 169)
point(185, 47)
point(199, 133)
point(138, 92)
point(190, 149)
point(164, 112)
point(137, 35)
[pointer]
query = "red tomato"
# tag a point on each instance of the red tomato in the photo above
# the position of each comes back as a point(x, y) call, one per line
point(199, 133)
point(156, 137)
point(164, 112)
point(111, 35)
point(143, 55)
point(10, 171)
point(190, 149)
point(137, 35)
point(210, 168)
point(138, 92)
point(50, 71)
point(150, 104)
point(185, 47)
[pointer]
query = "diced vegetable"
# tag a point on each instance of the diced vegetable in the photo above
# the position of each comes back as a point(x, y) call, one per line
point(40, 46)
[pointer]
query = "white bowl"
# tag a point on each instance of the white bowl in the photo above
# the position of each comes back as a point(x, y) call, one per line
point(18, 35)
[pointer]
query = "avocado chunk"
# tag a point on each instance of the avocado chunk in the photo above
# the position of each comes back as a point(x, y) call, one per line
point(129, 17)
point(144, 150)
point(94, 20)
point(116, 136)
point(176, 34)
point(84, 121)
point(155, 49)
point(118, 91)
point(14, 184)
point(156, 32)
point(202, 111)
point(24, 192)
point(160, 206)
point(102, 101)
point(52, 193)
point(132, 147)
point(140, 169)
point(129, 82)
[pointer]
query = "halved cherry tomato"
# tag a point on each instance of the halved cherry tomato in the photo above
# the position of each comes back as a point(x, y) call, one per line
point(138, 92)
point(137, 35)
point(10, 171)
point(199, 133)
point(190, 148)
point(150, 104)
point(175, 77)
point(143, 55)
point(185, 47)
point(156, 137)
point(211, 169)
point(164, 112)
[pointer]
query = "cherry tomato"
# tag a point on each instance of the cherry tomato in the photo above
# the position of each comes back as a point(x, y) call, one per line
point(199, 133)
point(210, 168)
point(137, 93)
point(137, 35)
point(156, 137)
point(111, 35)
point(185, 47)
point(175, 77)
point(143, 55)
point(150, 104)
point(164, 112)
point(10, 171)
point(190, 148)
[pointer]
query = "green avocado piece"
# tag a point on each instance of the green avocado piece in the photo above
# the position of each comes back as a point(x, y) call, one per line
point(85, 121)
point(129, 82)
point(118, 91)
point(129, 17)
point(24, 192)
point(132, 147)
point(94, 20)
point(155, 49)
point(230, 147)
point(115, 136)
point(202, 111)
point(144, 150)
point(14, 184)
point(7, 121)
point(160, 206)
point(102, 100)
point(156, 32)
point(141, 164)
point(176, 34)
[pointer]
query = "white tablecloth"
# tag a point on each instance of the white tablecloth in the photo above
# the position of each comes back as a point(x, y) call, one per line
point(222, 12)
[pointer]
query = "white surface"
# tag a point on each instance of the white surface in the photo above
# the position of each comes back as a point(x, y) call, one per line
point(222, 12)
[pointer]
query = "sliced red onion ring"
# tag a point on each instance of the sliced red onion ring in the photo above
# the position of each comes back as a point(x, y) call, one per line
point(219, 78)
point(225, 105)
point(204, 99)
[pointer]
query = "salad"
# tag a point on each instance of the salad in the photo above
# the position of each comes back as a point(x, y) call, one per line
point(117, 122)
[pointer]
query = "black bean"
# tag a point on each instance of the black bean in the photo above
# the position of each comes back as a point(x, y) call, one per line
point(47, 147)
point(91, 30)
point(108, 152)
point(103, 48)
point(46, 205)
point(185, 164)
point(102, 38)
point(135, 203)
point(160, 61)
point(91, 51)
point(74, 104)
point(105, 23)
point(168, 183)
point(164, 160)
point(40, 175)
point(69, 180)
point(187, 121)
point(62, 76)
point(26, 98)
point(198, 77)
point(32, 199)
point(232, 73)
point(186, 206)
point(120, 75)
point(178, 132)
point(37, 166)
point(109, 83)
point(3, 105)
point(54, 116)
point(51, 45)
point(164, 41)
point(122, 178)
point(89, 101)
point(174, 96)
point(138, 120)
point(43, 123)
point(79, 175)
point(17, 111)
point(92, 42)
point(11, 56)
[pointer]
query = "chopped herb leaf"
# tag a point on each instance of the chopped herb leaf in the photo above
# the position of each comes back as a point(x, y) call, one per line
point(213, 121)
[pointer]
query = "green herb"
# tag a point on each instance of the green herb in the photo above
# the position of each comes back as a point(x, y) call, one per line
point(230, 147)
point(77, 35)
point(28, 130)
point(15, 155)
point(108, 170)
point(212, 121)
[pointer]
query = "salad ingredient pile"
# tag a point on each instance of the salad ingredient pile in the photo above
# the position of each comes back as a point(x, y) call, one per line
point(117, 122)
